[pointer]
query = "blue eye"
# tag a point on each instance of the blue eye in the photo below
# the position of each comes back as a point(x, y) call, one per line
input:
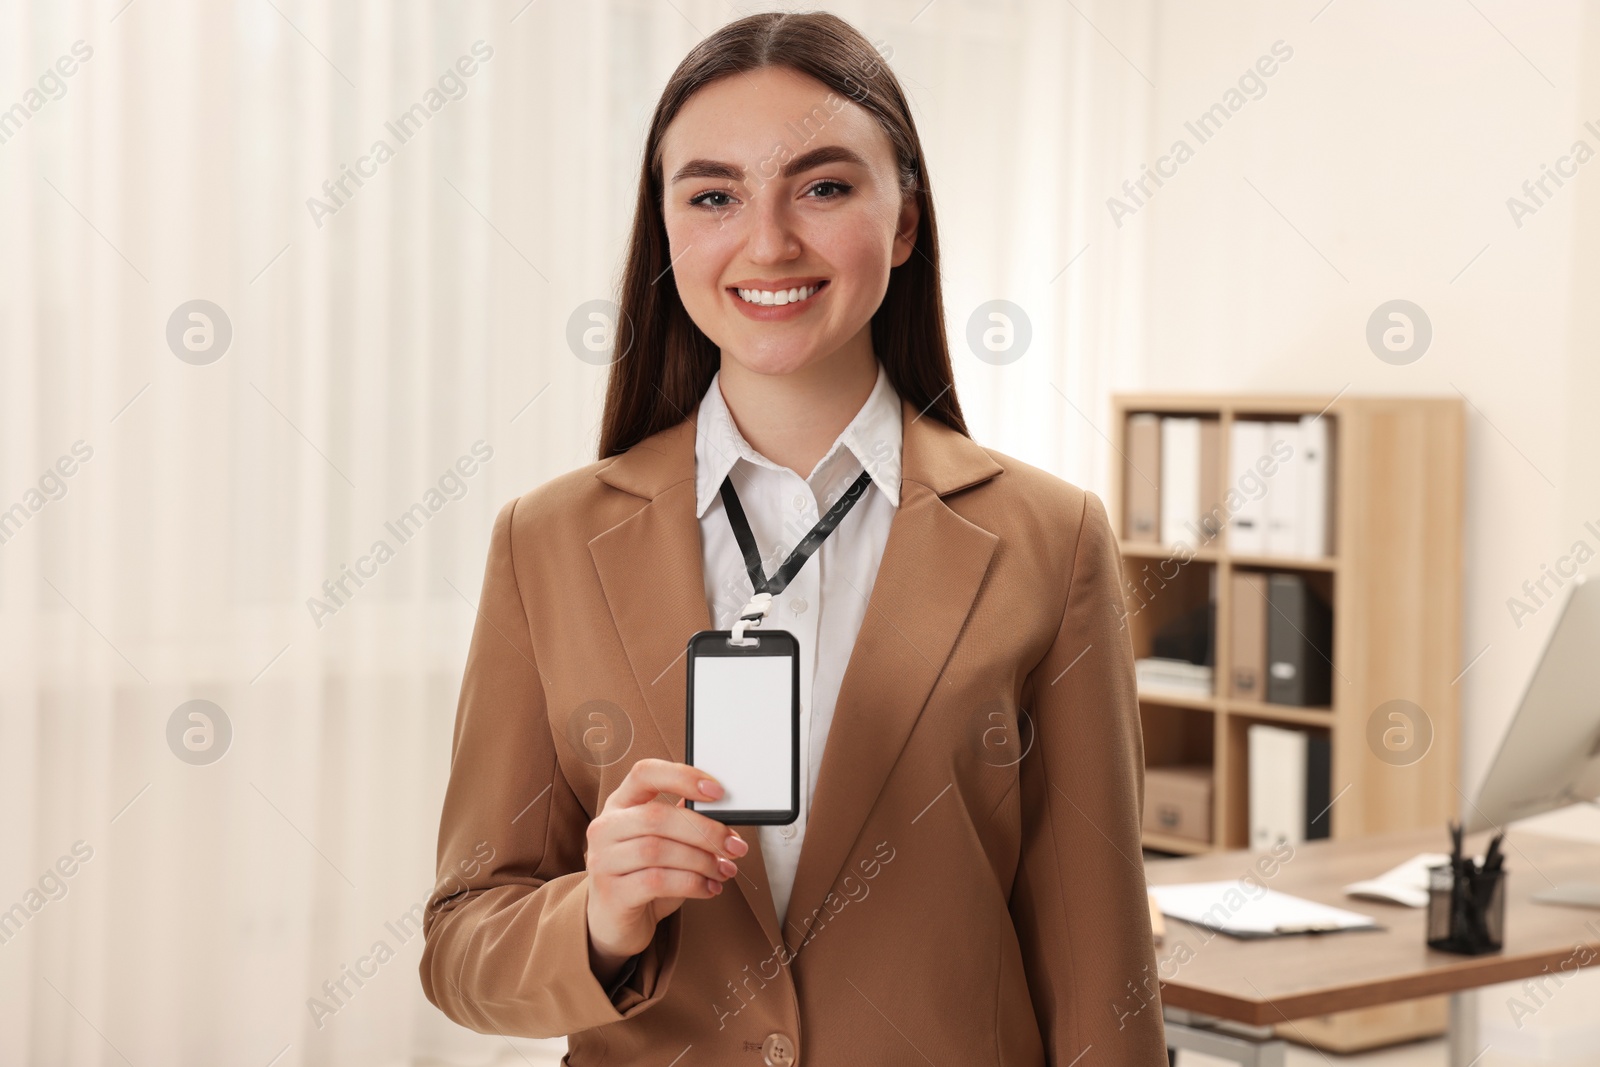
point(827, 183)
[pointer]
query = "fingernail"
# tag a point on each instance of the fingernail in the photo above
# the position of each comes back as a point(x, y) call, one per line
point(736, 845)
point(710, 788)
point(727, 868)
point(716, 886)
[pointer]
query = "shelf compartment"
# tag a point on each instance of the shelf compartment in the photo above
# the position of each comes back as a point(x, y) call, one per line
point(1179, 736)
point(1236, 776)
point(1158, 593)
point(1175, 735)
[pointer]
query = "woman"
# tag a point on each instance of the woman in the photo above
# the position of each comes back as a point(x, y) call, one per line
point(964, 884)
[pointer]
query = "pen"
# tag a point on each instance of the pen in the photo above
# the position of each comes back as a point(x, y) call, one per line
point(1493, 858)
point(1461, 886)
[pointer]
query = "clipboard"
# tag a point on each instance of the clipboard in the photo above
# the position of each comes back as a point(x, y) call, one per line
point(1246, 911)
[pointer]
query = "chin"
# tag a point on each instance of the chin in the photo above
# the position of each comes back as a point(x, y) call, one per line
point(776, 360)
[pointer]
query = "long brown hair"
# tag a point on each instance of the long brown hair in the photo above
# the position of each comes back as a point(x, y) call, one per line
point(666, 363)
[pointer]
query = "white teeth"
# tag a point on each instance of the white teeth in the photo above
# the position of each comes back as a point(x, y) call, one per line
point(778, 298)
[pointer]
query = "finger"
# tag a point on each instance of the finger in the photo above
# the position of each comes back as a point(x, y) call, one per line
point(677, 823)
point(655, 883)
point(649, 777)
point(640, 853)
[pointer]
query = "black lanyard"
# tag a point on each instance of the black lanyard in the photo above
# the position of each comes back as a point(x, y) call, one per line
point(802, 551)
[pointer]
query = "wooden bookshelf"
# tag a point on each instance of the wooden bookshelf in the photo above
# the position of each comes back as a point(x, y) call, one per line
point(1394, 583)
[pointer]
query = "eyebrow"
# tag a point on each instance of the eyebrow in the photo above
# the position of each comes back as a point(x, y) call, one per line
point(711, 168)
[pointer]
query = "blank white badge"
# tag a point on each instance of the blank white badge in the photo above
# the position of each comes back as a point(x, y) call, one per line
point(743, 732)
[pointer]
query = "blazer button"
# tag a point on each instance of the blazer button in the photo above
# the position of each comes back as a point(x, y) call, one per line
point(778, 1051)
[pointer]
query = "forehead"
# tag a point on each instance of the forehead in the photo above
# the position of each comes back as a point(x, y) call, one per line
point(743, 117)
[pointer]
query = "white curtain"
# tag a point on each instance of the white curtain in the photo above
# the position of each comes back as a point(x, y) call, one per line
point(237, 881)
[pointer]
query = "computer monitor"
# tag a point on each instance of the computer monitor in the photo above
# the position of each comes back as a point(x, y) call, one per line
point(1550, 756)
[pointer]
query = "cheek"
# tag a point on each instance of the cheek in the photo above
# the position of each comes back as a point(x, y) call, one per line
point(858, 258)
point(858, 242)
point(858, 254)
point(697, 248)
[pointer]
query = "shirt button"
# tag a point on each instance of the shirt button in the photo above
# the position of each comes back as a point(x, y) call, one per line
point(777, 1051)
point(788, 832)
point(797, 606)
point(799, 502)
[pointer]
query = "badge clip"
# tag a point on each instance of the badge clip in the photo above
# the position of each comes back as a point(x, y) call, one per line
point(751, 615)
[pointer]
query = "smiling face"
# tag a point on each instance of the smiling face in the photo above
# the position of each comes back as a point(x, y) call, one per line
point(784, 216)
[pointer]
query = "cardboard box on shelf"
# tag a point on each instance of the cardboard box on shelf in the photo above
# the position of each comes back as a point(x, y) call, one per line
point(1177, 801)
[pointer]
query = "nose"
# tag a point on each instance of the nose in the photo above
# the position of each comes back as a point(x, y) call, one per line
point(772, 237)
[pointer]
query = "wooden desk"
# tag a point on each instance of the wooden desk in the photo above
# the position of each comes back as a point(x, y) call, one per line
point(1277, 980)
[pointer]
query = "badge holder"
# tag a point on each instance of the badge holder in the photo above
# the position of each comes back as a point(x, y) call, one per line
point(742, 719)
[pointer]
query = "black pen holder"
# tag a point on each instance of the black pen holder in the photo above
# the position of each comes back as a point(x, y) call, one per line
point(1466, 914)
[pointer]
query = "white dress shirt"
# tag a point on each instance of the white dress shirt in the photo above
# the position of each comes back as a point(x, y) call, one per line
point(825, 603)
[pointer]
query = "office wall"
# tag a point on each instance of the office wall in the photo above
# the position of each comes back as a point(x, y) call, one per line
point(1376, 164)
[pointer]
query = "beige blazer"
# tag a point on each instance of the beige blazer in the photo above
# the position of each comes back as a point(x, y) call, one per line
point(954, 903)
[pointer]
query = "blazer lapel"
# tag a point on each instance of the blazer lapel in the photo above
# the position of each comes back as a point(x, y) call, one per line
point(932, 565)
point(651, 571)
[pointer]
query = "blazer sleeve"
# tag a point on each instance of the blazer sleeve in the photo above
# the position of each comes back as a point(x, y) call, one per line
point(506, 937)
point(1078, 901)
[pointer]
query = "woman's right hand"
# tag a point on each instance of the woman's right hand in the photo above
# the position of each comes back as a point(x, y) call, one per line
point(646, 855)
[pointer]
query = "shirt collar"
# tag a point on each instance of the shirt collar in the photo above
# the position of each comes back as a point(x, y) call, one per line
point(872, 438)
